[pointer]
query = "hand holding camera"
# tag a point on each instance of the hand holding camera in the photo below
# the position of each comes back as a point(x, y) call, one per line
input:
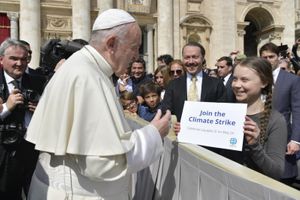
point(15, 98)
point(27, 98)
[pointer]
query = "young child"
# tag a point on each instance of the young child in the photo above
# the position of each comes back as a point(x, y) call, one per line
point(124, 83)
point(151, 94)
point(130, 104)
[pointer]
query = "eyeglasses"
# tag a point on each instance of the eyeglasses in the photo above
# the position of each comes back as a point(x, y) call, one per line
point(178, 72)
point(130, 105)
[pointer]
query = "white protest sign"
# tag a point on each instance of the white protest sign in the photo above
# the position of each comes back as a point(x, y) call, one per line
point(213, 124)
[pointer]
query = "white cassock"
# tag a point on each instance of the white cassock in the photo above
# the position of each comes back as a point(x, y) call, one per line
point(88, 150)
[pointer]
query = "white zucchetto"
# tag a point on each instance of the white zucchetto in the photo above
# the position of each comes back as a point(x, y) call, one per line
point(111, 18)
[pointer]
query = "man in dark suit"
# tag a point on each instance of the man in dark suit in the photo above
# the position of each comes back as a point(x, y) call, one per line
point(286, 99)
point(225, 68)
point(209, 89)
point(19, 94)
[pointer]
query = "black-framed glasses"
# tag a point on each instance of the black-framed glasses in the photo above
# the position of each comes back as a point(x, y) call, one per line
point(177, 71)
point(130, 105)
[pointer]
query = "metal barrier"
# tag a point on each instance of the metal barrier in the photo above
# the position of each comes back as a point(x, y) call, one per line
point(187, 171)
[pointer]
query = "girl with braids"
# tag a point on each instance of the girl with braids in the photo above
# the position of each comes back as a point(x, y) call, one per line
point(264, 128)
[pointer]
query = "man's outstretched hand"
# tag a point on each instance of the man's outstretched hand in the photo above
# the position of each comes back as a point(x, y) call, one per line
point(162, 123)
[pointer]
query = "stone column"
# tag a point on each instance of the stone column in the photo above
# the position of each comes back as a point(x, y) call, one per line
point(14, 27)
point(104, 5)
point(297, 6)
point(30, 27)
point(151, 65)
point(176, 37)
point(241, 33)
point(289, 20)
point(165, 27)
point(81, 19)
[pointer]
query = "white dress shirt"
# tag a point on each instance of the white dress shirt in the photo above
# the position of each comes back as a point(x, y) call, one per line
point(226, 78)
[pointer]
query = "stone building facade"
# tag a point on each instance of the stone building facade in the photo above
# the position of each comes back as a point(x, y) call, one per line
point(221, 26)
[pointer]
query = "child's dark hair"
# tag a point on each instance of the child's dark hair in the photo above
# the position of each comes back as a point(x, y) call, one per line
point(149, 88)
point(166, 58)
point(125, 96)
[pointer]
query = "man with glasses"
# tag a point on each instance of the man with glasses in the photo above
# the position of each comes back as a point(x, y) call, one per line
point(286, 99)
point(29, 70)
point(195, 85)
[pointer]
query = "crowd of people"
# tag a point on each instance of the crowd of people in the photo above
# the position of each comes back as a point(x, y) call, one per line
point(268, 84)
point(67, 135)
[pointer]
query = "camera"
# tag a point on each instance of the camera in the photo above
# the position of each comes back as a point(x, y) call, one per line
point(11, 134)
point(30, 95)
point(54, 50)
point(283, 50)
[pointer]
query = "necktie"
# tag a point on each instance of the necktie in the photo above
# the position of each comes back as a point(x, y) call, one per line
point(193, 91)
point(16, 84)
point(223, 80)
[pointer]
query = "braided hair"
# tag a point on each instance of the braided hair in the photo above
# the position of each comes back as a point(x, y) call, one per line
point(264, 70)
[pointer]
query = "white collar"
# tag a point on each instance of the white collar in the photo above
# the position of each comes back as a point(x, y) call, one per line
point(98, 58)
point(9, 79)
point(199, 75)
point(275, 74)
point(226, 78)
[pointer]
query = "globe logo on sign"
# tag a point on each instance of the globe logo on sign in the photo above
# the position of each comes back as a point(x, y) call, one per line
point(233, 141)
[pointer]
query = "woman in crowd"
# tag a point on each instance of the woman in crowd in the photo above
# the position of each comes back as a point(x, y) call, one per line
point(264, 129)
point(176, 69)
point(162, 78)
point(213, 72)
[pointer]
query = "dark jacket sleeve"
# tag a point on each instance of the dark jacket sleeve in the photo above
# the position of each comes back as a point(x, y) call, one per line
point(295, 107)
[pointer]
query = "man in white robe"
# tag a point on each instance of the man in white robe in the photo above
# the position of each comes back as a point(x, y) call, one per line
point(88, 151)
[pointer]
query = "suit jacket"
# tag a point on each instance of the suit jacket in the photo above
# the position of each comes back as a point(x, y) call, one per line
point(286, 99)
point(230, 94)
point(17, 162)
point(213, 90)
point(28, 82)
